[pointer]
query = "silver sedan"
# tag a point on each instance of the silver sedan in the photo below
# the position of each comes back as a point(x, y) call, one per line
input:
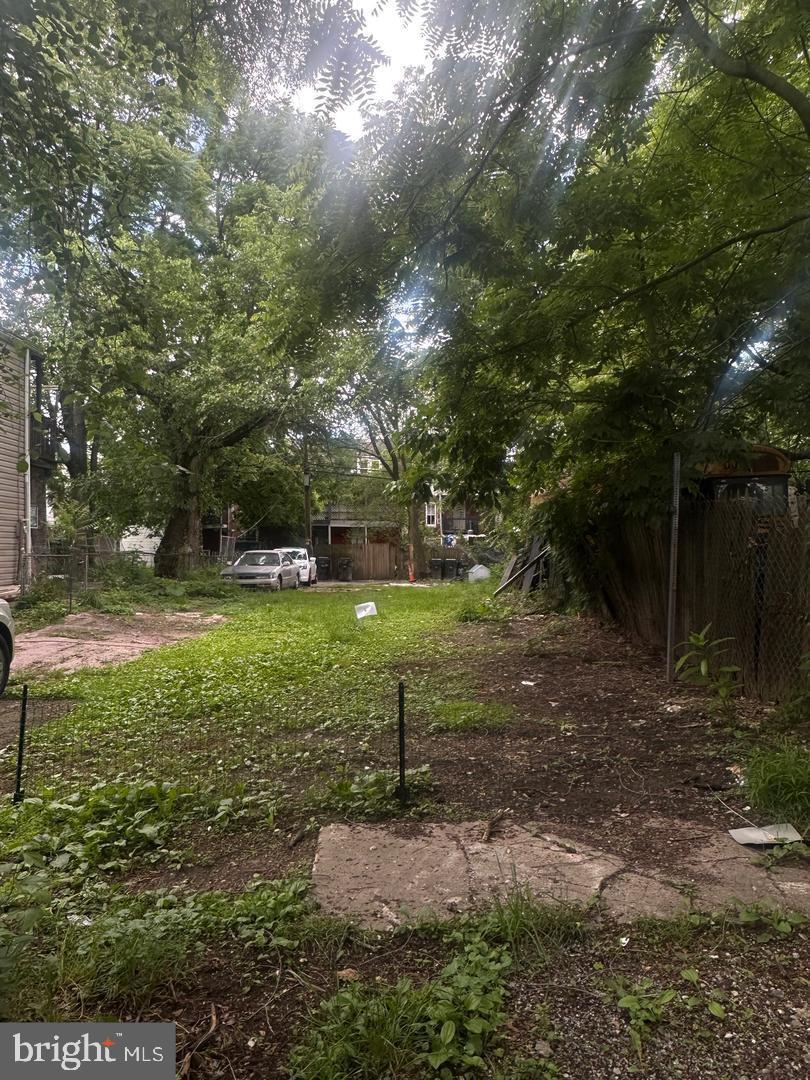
point(263, 570)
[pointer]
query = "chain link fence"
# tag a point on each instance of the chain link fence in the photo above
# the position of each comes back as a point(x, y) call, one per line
point(743, 570)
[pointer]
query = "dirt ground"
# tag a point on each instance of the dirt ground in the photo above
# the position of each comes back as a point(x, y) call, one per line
point(91, 640)
point(601, 748)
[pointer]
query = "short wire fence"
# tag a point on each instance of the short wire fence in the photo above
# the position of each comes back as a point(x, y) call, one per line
point(291, 742)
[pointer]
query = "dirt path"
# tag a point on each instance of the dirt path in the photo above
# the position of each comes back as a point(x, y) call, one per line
point(90, 640)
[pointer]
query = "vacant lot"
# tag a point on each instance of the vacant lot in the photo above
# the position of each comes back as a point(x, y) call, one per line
point(161, 871)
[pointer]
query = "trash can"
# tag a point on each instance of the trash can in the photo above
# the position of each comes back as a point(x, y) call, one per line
point(324, 564)
point(344, 570)
point(450, 568)
point(436, 568)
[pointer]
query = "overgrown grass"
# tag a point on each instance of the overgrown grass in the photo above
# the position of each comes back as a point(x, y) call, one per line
point(778, 783)
point(214, 706)
point(93, 952)
point(122, 588)
point(444, 1027)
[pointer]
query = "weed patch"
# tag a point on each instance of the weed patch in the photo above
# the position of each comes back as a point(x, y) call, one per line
point(375, 794)
point(458, 716)
point(444, 1027)
point(778, 783)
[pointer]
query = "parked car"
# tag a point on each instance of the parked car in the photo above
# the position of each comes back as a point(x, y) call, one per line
point(6, 643)
point(271, 569)
point(307, 564)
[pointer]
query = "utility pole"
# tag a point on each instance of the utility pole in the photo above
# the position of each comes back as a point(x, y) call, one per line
point(307, 496)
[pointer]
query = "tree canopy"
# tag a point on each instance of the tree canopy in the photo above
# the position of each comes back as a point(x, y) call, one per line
point(592, 217)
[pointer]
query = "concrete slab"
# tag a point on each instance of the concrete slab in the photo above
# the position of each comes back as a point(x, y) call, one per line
point(382, 878)
point(385, 875)
point(87, 639)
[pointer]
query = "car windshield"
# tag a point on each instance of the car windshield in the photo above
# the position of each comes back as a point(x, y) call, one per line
point(259, 558)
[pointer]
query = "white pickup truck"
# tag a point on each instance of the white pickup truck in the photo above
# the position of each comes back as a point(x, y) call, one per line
point(6, 643)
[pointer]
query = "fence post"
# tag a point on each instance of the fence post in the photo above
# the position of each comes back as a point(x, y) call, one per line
point(402, 790)
point(673, 564)
point(18, 791)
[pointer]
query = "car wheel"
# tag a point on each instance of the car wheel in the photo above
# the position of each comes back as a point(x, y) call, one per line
point(279, 583)
point(5, 664)
point(296, 581)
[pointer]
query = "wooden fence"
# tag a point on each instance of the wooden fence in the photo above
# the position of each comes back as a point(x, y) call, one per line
point(746, 573)
point(370, 562)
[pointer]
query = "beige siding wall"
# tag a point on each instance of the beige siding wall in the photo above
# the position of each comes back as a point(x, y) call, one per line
point(12, 482)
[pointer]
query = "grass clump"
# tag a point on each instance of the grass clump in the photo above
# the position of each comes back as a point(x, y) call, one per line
point(486, 610)
point(459, 715)
point(778, 783)
point(375, 794)
point(444, 1027)
point(529, 929)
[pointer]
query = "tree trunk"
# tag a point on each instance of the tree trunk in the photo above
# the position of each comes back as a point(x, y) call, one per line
point(179, 550)
point(415, 538)
point(75, 429)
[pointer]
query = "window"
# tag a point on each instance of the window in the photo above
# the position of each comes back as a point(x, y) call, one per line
point(430, 514)
point(34, 520)
point(286, 560)
point(259, 558)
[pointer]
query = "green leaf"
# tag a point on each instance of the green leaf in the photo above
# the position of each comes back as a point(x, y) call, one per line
point(438, 1058)
point(691, 975)
point(716, 1009)
point(448, 1032)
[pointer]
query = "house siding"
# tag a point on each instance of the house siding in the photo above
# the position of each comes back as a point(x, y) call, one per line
point(12, 482)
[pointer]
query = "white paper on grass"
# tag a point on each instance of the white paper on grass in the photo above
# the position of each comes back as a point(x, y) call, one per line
point(770, 834)
point(362, 611)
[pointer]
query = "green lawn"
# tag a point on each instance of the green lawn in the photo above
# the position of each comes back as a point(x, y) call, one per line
point(231, 704)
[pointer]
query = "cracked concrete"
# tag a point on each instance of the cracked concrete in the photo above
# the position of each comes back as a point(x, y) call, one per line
point(383, 875)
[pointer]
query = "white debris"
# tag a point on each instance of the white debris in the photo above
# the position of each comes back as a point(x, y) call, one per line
point(770, 834)
point(478, 573)
point(362, 611)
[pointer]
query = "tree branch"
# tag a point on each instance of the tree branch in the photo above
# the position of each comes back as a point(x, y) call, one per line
point(681, 268)
point(742, 67)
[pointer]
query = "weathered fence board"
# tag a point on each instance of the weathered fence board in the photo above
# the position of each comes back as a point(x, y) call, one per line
point(745, 573)
point(370, 562)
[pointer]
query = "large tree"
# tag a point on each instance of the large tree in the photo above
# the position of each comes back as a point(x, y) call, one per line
point(612, 212)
